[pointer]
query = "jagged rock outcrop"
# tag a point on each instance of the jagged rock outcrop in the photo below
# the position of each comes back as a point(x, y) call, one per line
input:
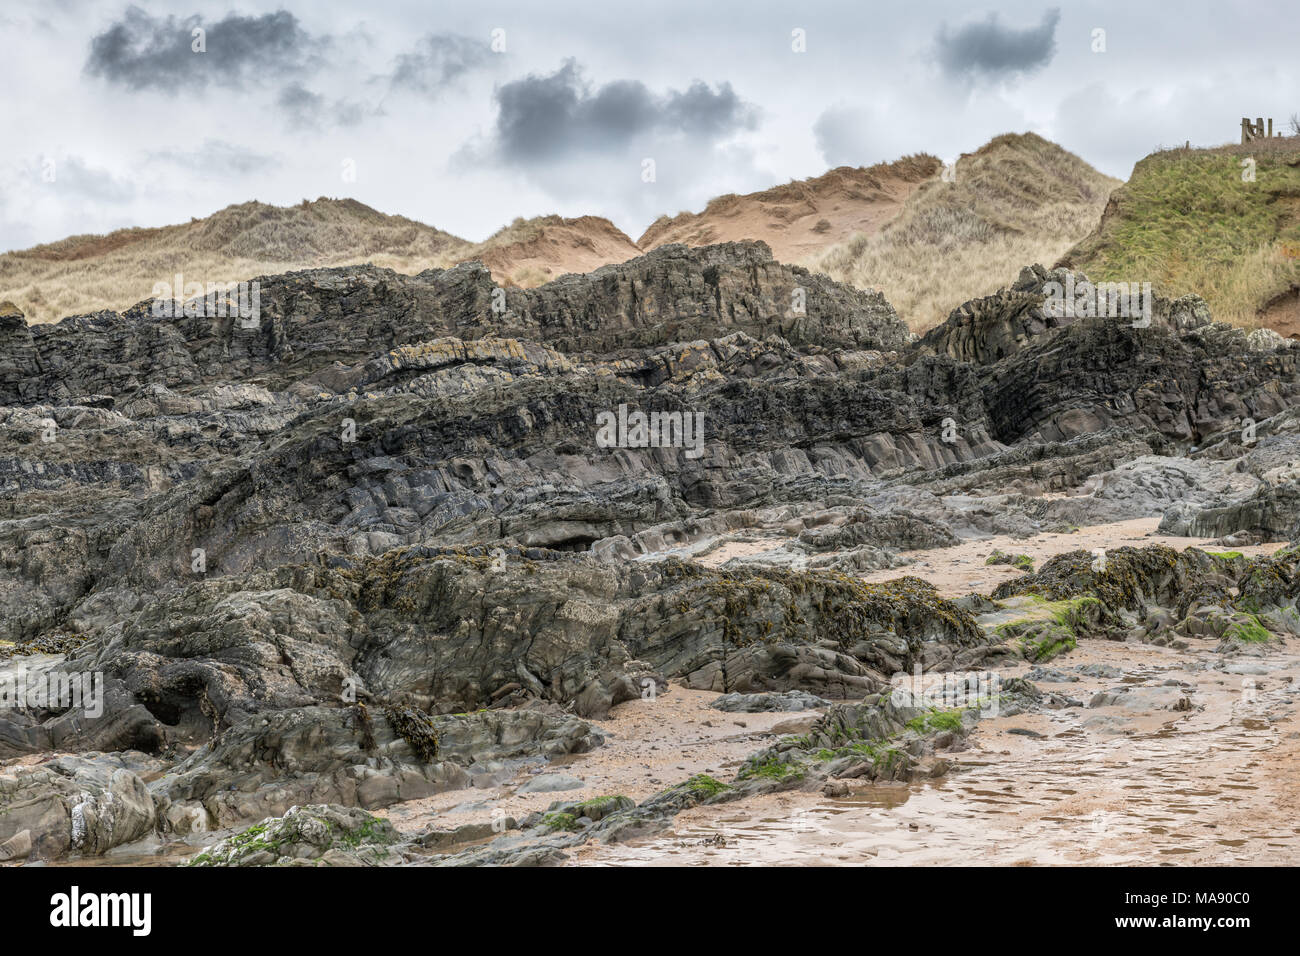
point(308, 320)
point(1270, 513)
point(986, 330)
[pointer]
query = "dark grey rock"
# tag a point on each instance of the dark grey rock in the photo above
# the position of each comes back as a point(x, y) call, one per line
point(768, 703)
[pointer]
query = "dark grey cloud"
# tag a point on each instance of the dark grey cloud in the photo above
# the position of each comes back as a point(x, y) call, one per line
point(310, 110)
point(438, 60)
point(705, 112)
point(141, 51)
point(546, 118)
point(990, 49)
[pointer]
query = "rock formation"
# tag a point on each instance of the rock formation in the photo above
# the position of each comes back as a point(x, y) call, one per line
point(368, 546)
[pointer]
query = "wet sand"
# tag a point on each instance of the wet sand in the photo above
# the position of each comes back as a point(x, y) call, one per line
point(1218, 784)
point(649, 746)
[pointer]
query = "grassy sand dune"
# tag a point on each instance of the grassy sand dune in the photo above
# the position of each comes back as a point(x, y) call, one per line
point(88, 273)
point(1187, 222)
point(802, 219)
point(1017, 200)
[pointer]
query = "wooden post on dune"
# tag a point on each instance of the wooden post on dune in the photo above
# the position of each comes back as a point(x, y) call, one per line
point(1253, 131)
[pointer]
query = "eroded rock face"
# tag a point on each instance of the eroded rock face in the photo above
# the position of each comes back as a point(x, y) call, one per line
point(348, 756)
point(370, 547)
point(1270, 512)
point(452, 633)
point(75, 805)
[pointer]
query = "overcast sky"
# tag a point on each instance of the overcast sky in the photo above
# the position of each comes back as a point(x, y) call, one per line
point(466, 115)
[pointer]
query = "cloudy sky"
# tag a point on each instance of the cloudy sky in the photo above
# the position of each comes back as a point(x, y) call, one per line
point(466, 115)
